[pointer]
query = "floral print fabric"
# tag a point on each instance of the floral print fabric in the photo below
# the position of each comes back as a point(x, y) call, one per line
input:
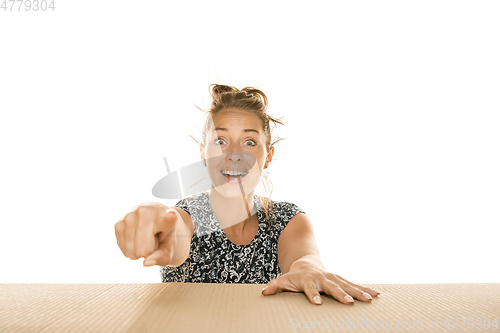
point(213, 258)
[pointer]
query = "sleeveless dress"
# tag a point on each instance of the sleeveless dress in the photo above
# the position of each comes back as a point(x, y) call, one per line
point(213, 258)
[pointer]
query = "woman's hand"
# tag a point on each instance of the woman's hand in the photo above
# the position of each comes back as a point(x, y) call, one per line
point(306, 277)
point(156, 232)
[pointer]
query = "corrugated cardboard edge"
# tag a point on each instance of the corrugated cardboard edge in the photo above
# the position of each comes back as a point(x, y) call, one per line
point(188, 307)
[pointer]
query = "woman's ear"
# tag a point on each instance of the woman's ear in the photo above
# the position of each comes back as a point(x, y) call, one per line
point(269, 158)
point(202, 154)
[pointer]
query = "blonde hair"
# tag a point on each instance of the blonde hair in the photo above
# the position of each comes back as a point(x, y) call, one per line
point(255, 101)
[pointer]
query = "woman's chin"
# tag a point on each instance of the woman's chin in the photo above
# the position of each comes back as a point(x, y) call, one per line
point(230, 191)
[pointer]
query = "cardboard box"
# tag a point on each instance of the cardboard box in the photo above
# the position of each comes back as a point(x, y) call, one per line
point(198, 307)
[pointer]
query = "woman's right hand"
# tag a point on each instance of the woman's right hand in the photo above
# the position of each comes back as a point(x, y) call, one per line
point(152, 231)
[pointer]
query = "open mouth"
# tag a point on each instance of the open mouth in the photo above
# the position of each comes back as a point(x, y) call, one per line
point(234, 175)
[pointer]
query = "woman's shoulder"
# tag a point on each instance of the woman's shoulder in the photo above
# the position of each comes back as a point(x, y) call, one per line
point(195, 201)
point(276, 204)
point(283, 211)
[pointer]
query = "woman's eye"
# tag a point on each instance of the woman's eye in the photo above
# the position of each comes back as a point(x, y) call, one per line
point(253, 143)
point(216, 141)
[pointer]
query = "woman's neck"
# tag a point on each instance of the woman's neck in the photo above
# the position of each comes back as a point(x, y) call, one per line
point(231, 211)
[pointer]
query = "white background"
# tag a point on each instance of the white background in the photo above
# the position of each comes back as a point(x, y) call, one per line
point(392, 125)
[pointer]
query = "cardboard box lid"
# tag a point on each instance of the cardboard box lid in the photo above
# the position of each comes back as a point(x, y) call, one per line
point(188, 307)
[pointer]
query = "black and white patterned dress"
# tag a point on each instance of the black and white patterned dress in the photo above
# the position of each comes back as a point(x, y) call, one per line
point(213, 258)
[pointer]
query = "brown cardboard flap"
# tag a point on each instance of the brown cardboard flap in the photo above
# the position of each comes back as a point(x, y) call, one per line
point(198, 307)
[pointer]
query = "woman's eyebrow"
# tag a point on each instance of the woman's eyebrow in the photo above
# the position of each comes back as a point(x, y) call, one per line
point(245, 130)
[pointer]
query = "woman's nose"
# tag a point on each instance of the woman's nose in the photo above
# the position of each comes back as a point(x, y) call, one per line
point(234, 157)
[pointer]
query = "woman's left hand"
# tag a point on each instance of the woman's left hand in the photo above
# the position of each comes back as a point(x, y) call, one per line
point(312, 280)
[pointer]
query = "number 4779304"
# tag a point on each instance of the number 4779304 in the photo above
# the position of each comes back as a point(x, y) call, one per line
point(28, 5)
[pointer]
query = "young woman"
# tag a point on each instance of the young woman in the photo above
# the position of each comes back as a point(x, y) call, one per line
point(228, 234)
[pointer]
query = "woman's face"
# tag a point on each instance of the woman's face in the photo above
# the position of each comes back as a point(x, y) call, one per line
point(235, 152)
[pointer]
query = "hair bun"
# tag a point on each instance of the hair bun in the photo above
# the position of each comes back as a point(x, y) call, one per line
point(254, 92)
point(218, 89)
point(248, 97)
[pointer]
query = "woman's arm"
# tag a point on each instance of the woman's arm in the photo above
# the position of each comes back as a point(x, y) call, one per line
point(296, 242)
point(303, 270)
point(183, 235)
